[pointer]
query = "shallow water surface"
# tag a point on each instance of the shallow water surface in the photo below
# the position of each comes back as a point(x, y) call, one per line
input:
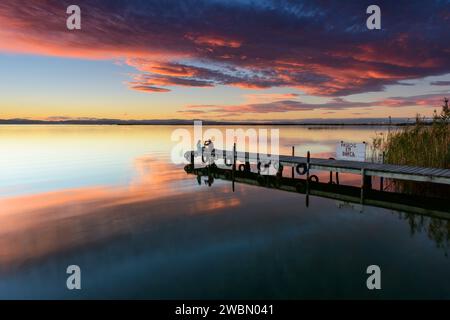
point(108, 198)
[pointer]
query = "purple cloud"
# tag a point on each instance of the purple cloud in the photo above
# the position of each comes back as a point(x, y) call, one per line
point(320, 47)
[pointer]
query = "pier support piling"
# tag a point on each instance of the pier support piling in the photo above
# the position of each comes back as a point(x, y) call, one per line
point(308, 164)
point(293, 154)
point(381, 178)
point(234, 163)
point(366, 184)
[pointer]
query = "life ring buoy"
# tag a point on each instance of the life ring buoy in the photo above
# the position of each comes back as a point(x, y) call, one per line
point(266, 166)
point(301, 166)
point(314, 178)
point(241, 167)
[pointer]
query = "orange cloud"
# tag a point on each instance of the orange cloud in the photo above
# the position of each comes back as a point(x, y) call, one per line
point(281, 106)
point(202, 44)
point(214, 41)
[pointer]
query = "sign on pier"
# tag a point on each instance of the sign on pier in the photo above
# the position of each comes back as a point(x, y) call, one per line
point(351, 151)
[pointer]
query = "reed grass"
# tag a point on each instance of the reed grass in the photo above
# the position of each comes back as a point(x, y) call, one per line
point(423, 145)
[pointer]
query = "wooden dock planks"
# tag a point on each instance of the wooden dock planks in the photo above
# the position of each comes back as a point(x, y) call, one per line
point(391, 171)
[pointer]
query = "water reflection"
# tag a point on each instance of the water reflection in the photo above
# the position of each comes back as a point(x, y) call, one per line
point(35, 226)
point(437, 230)
point(423, 214)
point(109, 200)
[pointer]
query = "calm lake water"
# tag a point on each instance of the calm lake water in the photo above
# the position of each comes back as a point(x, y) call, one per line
point(109, 199)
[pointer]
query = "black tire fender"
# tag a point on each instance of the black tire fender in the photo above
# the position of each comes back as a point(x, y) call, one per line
point(265, 166)
point(301, 166)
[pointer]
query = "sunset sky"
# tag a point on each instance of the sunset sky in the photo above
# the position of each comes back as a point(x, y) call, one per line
point(223, 59)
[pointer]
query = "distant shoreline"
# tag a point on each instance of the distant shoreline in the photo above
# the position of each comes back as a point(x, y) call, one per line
point(312, 122)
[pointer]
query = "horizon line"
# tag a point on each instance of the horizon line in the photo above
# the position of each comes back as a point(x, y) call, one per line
point(310, 121)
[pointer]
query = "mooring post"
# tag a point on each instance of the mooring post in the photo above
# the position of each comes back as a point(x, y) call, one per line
point(362, 185)
point(381, 178)
point(293, 154)
point(209, 175)
point(366, 183)
point(308, 158)
point(331, 173)
point(234, 163)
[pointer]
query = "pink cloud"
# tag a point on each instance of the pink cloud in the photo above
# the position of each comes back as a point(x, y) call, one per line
point(208, 43)
point(144, 88)
point(431, 100)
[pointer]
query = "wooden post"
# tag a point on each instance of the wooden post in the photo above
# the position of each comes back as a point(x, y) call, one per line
point(293, 154)
point(362, 186)
point(209, 175)
point(381, 178)
point(331, 174)
point(234, 163)
point(389, 127)
point(308, 158)
point(366, 183)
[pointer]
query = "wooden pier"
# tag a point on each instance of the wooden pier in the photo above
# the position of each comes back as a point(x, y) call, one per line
point(365, 169)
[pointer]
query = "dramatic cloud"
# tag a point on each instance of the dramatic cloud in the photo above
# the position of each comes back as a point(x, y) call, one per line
point(320, 47)
point(140, 87)
point(440, 83)
point(430, 100)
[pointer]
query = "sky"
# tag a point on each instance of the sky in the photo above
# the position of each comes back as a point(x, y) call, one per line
point(223, 59)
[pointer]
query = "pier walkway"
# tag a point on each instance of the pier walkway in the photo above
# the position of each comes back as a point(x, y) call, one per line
point(365, 169)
